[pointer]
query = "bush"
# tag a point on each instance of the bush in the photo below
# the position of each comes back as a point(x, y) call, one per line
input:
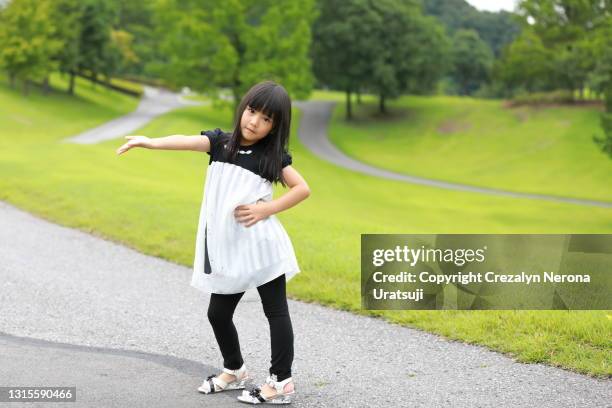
point(605, 142)
point(543, 98)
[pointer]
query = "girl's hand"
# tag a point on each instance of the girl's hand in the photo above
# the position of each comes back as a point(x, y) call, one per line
point(135, 141)
point(251, 213)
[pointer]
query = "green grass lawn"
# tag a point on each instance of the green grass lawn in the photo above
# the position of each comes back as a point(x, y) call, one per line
point(546, 150)
point(150, 200)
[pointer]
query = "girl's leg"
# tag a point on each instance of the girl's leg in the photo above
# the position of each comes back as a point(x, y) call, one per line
point(220, 312)
point(274, 300)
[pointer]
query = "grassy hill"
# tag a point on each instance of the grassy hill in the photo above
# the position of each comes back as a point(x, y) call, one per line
point(546, 150)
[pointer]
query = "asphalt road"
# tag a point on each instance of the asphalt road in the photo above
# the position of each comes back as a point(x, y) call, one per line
point(154, 102)
point(127, 329)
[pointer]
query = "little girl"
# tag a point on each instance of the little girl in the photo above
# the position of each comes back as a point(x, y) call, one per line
point(240, 243)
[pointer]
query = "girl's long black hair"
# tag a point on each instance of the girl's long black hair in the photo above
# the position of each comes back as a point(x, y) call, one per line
point(271, 99)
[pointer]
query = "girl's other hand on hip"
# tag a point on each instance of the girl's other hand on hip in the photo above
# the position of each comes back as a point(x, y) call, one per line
point(249, 214)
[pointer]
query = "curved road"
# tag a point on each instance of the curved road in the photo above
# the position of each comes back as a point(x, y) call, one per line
point(154, 102)
point(313, 134)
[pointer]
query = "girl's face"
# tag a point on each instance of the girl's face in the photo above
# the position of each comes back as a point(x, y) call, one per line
point(255, 125)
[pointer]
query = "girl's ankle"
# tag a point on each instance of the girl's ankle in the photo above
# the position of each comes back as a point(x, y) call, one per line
point(227, 377)
point(289, 387)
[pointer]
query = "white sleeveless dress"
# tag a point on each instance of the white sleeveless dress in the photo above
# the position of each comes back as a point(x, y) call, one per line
point(230, 257)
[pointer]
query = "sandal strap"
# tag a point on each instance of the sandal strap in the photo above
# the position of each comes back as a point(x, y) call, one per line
point(236, 372)
point(256, 393)
point(211, 384)
point(222, 384)
point(277, 385)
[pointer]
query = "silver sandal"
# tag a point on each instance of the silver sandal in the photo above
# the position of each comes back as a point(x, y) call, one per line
point(214, 384)
point(255, 397)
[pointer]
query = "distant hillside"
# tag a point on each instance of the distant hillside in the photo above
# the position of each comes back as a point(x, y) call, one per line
point(496, 29)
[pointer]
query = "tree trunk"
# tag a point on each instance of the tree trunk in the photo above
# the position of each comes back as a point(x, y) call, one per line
point(605, 143)
point(46, 85)
point(71, 84)
point(381, 104)
point(12, 79)
point(26, 87)
point(359, 97)
point(349, 111)
point(236, 95)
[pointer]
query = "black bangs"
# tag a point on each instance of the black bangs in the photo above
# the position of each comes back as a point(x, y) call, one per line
point(269, 100)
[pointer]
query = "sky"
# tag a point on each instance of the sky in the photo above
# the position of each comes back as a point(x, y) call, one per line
point(493, 5)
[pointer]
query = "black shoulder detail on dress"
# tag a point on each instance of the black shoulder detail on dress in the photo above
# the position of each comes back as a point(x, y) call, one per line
point(217, 139)
point(287, 159)
point(212, 133)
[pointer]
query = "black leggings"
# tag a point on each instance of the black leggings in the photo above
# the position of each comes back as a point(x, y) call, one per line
point(274, 300)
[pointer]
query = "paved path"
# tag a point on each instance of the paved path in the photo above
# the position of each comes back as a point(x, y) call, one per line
point(154, 102)
point(127, 330)
point(313, 134)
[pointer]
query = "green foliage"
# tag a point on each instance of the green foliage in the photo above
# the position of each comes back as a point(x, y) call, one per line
point(385, 47)
point(495, 29)
point(73, 36)
point(135, 18)
point(191, 51)
point(472, 61)
point(600, 77)
point(345, 45)
point(234, 44)
point(27, 41)
point(70, 13)
point(560, 45)
point(576, 35)
point(96, 51)
point(526, 63)
point(543, 98)
point(278, 48)
point(605, 142)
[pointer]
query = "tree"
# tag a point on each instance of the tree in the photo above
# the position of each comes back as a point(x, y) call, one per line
point(117, 53)
point(432, 59)
point(344, 45)
point(27, 41)
point(565, 27)
point(407, 41)
point(383, 46)
point(95, 42)
point(472, 61)
point(527, 63)
point(135, 18)
point(601, 80)
point(70, 13)
point(576, 35)
point(233, 44)
point(495, 29)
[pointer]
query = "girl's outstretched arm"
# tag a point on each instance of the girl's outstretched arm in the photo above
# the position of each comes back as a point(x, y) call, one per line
point(173, 142)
